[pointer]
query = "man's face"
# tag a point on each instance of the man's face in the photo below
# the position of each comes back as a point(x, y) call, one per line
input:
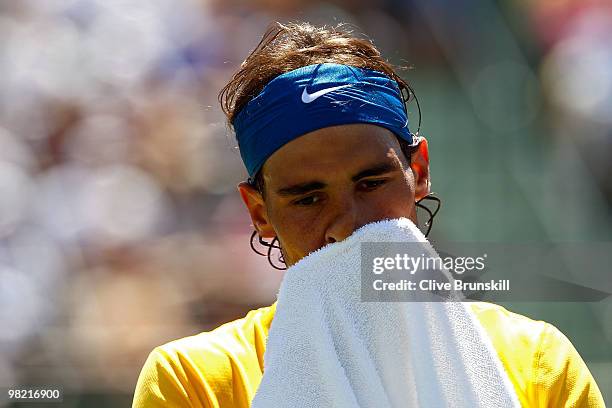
point(322, 186)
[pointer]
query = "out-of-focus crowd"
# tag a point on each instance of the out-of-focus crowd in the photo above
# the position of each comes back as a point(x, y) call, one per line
point(120, 226)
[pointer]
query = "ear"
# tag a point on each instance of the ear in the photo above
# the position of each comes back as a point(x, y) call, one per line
point(257, 209)
point(419, 163)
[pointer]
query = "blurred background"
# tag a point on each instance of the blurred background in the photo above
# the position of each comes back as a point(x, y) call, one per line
point(120, 224)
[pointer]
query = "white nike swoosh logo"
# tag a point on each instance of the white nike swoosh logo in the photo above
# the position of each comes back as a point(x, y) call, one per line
point(307, 98)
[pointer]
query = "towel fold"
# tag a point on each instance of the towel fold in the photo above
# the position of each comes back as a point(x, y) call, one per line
point(327, 348)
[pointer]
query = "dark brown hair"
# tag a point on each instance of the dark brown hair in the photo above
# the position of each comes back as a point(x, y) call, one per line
point(285, 47)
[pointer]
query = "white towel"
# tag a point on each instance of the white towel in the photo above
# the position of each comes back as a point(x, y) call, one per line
point(327, 348)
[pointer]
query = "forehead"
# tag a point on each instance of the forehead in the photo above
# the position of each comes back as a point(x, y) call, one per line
point(331, 151)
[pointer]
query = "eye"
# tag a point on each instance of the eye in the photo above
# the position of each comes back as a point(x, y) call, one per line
point(371, 184)
point(307, 201)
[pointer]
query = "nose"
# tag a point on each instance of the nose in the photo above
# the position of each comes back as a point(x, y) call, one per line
point(343, 224)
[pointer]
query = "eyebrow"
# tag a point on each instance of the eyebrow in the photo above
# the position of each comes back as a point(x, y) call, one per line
point(375, 170)
point(304, 188)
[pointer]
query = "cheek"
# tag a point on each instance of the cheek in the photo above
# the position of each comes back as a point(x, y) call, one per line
point(397, 198)
point(409, 180)
point(297, 231)
point(396, 201)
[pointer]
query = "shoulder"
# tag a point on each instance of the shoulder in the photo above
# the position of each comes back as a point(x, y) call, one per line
point(233, 338)
point(202, 368)
point(504, 326)
point(542, 363)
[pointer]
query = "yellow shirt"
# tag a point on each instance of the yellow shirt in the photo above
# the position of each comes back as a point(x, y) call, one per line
point(223, 368)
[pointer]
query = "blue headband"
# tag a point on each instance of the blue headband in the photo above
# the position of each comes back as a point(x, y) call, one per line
point(314, 97)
